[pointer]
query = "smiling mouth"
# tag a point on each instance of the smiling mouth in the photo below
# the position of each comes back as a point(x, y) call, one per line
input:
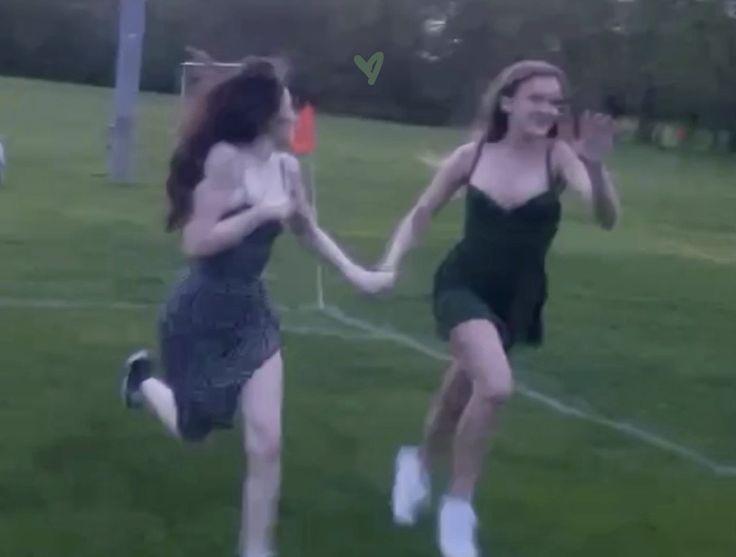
point(544, 122)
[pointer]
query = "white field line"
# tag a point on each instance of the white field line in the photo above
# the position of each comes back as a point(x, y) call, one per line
point(370, 331)
point(627, 429)
point(64, 304)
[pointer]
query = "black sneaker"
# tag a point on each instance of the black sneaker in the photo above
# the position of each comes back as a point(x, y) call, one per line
point(138, 368)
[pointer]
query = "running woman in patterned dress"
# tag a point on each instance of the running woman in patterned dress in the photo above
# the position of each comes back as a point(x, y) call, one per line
point(231, 192)
point(490, 290)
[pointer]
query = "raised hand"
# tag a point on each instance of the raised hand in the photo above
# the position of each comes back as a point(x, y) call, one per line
point(597, 132)
point(595, 138)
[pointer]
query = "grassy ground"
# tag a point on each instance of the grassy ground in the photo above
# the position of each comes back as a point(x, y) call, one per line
point(640, 333)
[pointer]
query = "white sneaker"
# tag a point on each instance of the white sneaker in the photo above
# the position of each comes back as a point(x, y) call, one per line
point(138, 368)
point(456, 528)
point(411, 491)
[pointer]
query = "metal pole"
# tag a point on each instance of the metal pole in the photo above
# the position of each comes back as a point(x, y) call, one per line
point(2, 162)
point(127, 85)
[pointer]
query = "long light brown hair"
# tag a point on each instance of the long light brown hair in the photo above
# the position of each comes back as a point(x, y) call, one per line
point(492, 123)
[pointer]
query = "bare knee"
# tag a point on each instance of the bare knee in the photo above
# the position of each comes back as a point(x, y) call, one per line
point(263, 446)
point(494, 385)
point(479, 350)
point(494, 392)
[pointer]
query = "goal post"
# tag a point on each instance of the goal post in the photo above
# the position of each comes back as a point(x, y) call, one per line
point(192, 73)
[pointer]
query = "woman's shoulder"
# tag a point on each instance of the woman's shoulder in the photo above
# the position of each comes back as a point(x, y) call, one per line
point(466, 151)
point(460, 161)
point(289, 161)
point(220, 154)
point(223, 166)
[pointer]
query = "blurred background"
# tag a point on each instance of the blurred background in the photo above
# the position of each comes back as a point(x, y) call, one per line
point(620, 440)
point(670, 60)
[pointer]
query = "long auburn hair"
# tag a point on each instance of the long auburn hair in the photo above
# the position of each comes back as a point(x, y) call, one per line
point(235, 110)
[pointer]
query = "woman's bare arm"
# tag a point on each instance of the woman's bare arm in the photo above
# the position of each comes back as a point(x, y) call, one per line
point(206, 232)
point(306, 228)
point(580, 160)
point(446, 182)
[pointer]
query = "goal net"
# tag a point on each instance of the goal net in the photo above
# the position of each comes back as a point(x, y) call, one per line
point(196, 77)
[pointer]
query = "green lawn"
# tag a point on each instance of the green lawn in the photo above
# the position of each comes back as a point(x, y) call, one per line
point(640, 350)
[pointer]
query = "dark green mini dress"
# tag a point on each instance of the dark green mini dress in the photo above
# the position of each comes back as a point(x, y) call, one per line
point(497, 270)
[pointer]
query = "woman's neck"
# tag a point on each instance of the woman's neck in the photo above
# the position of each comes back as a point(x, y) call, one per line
point(518, 140)
point(260, 150)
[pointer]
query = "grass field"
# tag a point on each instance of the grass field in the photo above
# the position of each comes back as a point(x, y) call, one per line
point(619, 442)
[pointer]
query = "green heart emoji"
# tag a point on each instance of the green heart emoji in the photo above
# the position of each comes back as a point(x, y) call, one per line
point(372, 67)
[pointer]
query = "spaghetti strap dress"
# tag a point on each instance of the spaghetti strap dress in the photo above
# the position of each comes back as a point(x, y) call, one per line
point(497, 270)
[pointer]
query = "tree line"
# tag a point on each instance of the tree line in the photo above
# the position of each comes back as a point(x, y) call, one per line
point(653, 59)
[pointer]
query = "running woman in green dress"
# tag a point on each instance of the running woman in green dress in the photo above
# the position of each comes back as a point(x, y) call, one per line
point(490, 290)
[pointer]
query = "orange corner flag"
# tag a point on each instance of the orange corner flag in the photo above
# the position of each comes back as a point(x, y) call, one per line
point(304, 136)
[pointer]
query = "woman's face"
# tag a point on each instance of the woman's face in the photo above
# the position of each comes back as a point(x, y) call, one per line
point(536, 107)
point(282, 124)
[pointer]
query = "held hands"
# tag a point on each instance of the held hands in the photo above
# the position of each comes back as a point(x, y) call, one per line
point(380, 279)
point(372, 282)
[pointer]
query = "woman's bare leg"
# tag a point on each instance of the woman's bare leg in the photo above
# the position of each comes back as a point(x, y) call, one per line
point(141, 388)
point(411, 490)
point(260, 403)
point(477, 348)
point(443, 416)
point(479, 352)
point(159, 399)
